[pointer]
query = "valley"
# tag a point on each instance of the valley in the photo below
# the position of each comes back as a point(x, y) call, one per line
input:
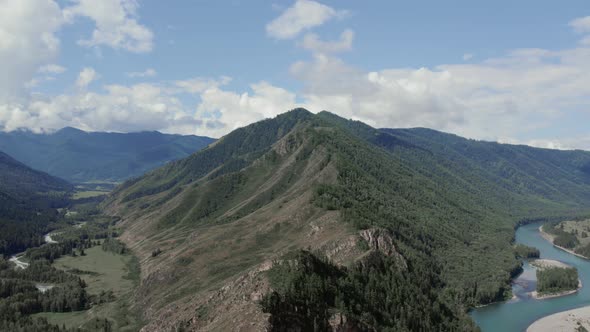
point(294, 166)
point(107, 275)
point(107, 272)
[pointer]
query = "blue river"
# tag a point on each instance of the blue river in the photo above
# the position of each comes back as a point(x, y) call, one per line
point(517, 314)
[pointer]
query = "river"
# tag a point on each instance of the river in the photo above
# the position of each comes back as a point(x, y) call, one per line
point(16, 259)
point(517, 314)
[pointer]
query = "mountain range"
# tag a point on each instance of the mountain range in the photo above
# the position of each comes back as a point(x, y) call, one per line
point(312, 221)
point(80, 156)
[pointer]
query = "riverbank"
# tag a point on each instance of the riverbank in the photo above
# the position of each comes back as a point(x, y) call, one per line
point(48, 239)
point(550, 237)
point(19, 264)
point(535, 295)
point(570, 320)
point(547, 263)
point(518, 315)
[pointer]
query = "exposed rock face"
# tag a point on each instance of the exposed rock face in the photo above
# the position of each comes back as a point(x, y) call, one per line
point(339, 323)
point(233, 307)
point(380, 240)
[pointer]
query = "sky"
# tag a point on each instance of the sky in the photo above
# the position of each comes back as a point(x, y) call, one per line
point(508, 71)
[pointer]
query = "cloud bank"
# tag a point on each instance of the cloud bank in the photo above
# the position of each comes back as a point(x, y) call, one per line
point(509, 98)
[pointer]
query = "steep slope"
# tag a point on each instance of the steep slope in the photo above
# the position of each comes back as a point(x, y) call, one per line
point(27, 198)
point(20, 181)
point(401, 213)
point(80, 156)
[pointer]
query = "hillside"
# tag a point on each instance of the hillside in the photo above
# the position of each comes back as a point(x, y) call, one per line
point(418, 223)
point(23, 183)
point(27, 199)
point(79, 156)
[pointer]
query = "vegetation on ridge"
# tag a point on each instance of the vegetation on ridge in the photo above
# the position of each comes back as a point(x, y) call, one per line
point(450, 204)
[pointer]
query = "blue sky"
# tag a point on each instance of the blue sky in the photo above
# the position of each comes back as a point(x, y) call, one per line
point(513, 71)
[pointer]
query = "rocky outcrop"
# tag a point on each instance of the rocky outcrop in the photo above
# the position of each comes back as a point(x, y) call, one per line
point(381, 240)
point(340, 323)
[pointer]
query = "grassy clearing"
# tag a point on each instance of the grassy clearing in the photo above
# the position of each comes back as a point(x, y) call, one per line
point(111, 270)
point(105, 271)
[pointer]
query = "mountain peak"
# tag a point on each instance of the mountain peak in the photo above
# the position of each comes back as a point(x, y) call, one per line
point(69, 131)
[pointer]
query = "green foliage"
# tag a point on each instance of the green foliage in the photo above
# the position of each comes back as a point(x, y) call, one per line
point(19, 297)
point(28, 199)
point(115, 246)
point(526, 252)
point(555, 279)
point(239, 148)
point(374, 295)
point(583, 250)
point(562, 238)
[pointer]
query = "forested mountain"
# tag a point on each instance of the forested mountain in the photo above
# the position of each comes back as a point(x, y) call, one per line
point(22, 182)
point(402, 229)
point(28, 199)
point(79, 156)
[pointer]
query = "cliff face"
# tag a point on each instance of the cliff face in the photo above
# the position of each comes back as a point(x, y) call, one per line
point(380, 240)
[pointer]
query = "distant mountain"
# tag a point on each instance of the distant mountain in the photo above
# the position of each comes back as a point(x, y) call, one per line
point(422, 221)
point(79, 156)
point(28, 199)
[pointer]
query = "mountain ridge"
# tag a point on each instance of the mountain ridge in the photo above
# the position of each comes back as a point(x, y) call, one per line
point(302, 180)
point(80, 156)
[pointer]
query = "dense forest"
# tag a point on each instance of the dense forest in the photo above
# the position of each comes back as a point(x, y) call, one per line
point(526, 252)
point(19, 296)
point(310, 292)
point(28, 202)
point(554, 279)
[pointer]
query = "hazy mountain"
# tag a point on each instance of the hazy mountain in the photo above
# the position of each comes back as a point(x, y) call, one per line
point(79, 156)
point(416, 225)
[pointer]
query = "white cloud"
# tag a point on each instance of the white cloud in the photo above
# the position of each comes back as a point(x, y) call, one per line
point(467, 56)
point(36, 81)
point(86, 76)
point(119, 108)
point(116, 24)
point(51, 69)
point(303, 15)
point(150, 107)
point(199, 84)
point(581, 25)
point(150, 72)
point(559, 143)
point(313, 43)
point(27, 41)
point(235, 110)
point(513, 96)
